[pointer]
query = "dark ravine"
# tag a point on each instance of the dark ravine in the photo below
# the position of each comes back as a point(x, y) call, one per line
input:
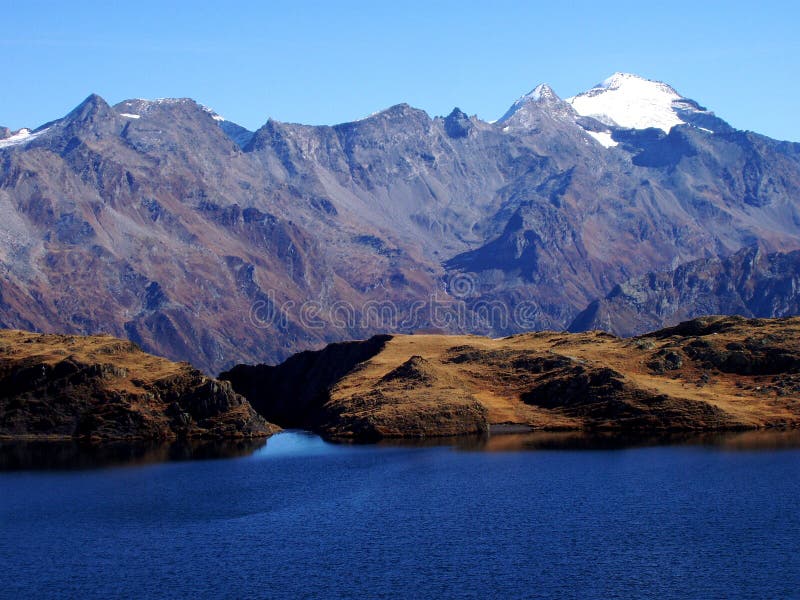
point(98, 388)
point(709, 374)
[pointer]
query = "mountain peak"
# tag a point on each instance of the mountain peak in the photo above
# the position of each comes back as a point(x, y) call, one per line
point(92, 115)
point(541, 93)
point(542, 97)
point(138, 107)
point(93, 105)
point(631, 101)
point(457, 124)
point(619, 80)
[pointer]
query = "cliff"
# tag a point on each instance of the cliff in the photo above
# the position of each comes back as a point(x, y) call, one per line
point(102, 388)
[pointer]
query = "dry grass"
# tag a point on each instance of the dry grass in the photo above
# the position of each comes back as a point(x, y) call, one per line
point(504, 376)
point(102, 387)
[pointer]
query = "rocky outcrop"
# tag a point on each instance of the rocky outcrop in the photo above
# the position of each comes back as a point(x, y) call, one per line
point(102, 388)
point(710, 374)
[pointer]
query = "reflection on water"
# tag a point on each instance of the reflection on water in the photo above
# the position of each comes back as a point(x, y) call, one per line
point(73, 455)
point(731, 440)
point(578, 440)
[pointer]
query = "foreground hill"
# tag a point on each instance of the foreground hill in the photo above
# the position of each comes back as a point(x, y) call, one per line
point(160, 222)
point(712, 373)
point(99, 387)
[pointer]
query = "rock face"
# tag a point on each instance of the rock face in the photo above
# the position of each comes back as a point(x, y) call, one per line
point(199, 240)
point(295, 391)
point(750, 283)
point(715, 373)
point(102, 388)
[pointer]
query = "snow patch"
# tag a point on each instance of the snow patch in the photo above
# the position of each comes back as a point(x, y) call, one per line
point(139, 107)
point(626, 100)
point(369, 116)
point(604, 138)
point(167, 100)
point(213, 114)
point(23, 136)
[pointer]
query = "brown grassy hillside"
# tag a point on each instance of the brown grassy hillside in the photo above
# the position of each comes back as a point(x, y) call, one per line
point(713, 373)
point(100, 387)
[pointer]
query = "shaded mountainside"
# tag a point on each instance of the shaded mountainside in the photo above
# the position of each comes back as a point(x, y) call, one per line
point(102, 388)
point(715, 373)
point(199, 240)
point(296, 390)
point(750, 283)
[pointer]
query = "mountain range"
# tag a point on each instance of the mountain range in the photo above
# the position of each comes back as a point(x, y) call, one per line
point(162, 222)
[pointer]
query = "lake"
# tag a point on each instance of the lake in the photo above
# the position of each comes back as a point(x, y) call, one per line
point(514, 516)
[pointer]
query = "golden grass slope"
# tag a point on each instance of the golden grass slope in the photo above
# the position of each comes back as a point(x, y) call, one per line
point(100, 387)
point(712, 373)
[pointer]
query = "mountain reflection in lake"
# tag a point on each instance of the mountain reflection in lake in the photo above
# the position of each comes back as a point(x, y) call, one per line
point(75, 455)
point(29, 455)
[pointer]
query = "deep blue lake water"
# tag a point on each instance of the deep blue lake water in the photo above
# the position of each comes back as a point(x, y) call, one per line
point(517, 517)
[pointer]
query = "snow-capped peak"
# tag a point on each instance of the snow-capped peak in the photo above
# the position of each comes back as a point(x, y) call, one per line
point(617, 80)
point(540, 96)
point(626, 100)
point(139, 106)
point(541, 92)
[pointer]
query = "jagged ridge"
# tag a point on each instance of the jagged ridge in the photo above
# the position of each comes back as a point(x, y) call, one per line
point(159, 222)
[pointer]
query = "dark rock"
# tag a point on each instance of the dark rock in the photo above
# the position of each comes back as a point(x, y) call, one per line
point(294, 392)
point(457, 124)
point(100, 388)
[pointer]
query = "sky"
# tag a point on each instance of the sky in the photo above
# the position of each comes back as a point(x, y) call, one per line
point(331, 62)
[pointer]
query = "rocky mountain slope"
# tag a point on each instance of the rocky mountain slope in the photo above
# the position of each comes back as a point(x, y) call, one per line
point(102, 388)
point(715, 373)
point(163, 223)
point(750, 283)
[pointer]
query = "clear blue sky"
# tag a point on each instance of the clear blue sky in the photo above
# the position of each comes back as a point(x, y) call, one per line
point(329, 62)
